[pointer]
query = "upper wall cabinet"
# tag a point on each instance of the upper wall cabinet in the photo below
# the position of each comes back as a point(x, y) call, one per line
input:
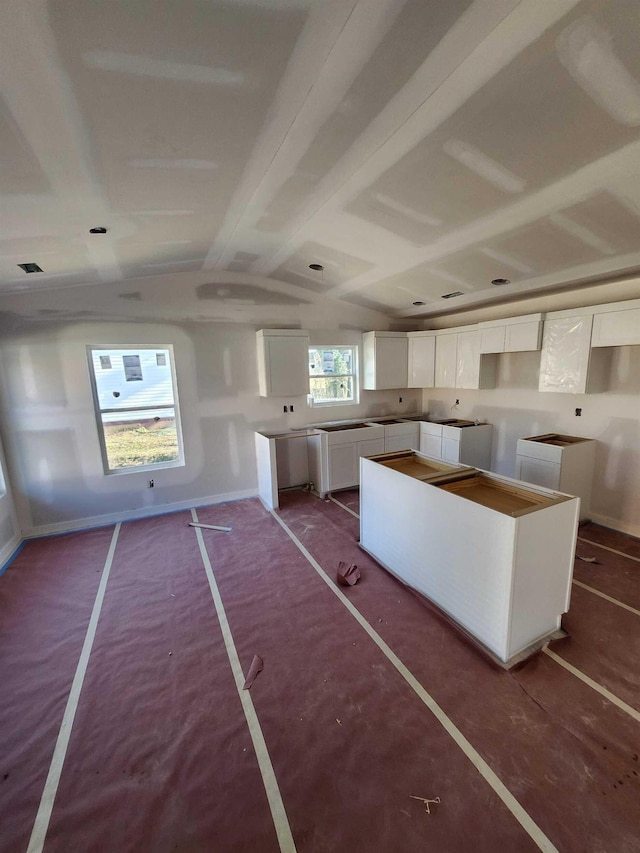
point(567, 364)
point(283, 362)
point(616, 328)
point(422, 359)
point(515, 334)
point(385, 360)
point(458, 363)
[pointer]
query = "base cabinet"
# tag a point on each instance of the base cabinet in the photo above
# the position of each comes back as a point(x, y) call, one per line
point(468, 445)
point(558, 461)
point(334, 455)
point(494, 554)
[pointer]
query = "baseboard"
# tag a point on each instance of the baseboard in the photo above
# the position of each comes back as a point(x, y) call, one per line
point(9, 551)
point(132, 515)
point(614, 524)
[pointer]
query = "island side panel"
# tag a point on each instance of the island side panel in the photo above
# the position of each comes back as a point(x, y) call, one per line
point(456, 552)
point(545, 550)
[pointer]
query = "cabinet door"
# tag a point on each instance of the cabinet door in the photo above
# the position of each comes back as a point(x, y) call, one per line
point(538, 471)
point(492, 339)
point(522, 337)
point(422, 353)
point(401, 442)
point(343, 466)
point(450, 450)
point(431, 444)
point(445, 371)
point(468, 360)
point(391, 363)
point(564, 362)
point(287, 366)
point(616, 328)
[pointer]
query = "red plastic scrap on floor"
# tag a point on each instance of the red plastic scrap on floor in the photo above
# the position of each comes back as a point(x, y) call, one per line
point(347, 574)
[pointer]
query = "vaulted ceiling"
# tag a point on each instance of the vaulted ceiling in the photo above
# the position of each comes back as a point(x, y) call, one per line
point(412, 148)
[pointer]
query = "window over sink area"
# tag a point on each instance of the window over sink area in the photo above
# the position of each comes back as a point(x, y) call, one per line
point(333, 375)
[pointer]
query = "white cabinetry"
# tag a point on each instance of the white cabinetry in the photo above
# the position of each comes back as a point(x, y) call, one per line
point(283, 362)
point(457, 441)
point(616, 328)
point(385, 360)
point(555, 461)
point(335, 451)
point(567, 364)
point(422, 354)
point(458, 363)
point(495, 554)
point(400, 434)
point(515, 334)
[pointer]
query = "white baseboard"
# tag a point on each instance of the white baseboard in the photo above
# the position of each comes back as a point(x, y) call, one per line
point(7, 550)
point(614, 524)
point(132, 515)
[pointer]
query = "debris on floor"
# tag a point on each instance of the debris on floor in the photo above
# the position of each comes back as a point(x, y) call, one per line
point(427, 802)
point(347, 575)
point(210, 526)
point(588, 560)
point(256, 667)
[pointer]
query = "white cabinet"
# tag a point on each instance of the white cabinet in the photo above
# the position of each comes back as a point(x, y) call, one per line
point(458, 363)
point(514, 334)
point(445, 368)
point(457, 441)
point(283, 362)
point(567, 364)
point(400, 434)
point(616, 328)
point(385, 360)
point(422, 354)
point(283, 461)
point(335, 451)
point(494, 554)
point(556, 461)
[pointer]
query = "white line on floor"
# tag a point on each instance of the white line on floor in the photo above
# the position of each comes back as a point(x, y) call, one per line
point(280, 819)
point(41, 824)
point(344, 506)
point(607, 597)
point(523, 818)
point(606, 548)
point(594, 684)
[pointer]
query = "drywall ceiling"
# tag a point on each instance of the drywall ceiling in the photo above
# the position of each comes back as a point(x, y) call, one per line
point(413, 148)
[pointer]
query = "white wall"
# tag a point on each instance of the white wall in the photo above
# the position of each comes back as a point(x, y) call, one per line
point(517, 409)
point(49, 424)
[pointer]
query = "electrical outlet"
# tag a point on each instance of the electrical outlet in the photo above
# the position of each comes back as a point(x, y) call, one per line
point(399, 399)
point(151, 484)
point(290, 408)
point(284, 409)
point(578, 413)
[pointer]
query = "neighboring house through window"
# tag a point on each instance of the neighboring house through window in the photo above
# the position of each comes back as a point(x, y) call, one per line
point(136, 407)
point(333, 375)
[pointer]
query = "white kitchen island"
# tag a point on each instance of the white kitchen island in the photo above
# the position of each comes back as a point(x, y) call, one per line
point(494, 554)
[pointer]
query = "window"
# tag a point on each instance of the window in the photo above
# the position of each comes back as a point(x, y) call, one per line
point(138, 423)
point(333, 375)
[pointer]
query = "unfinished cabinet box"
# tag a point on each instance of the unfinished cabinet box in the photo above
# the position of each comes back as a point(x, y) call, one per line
point(283, 462)
point(385, 360)
point(457, 440)
point(556, 461)
point(568, 364)
point(335, 451)
point(283, 362)
point(494, 554)
point(422, 355)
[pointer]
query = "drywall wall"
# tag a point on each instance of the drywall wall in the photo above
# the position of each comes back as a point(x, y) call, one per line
point(48, 418)
point(517, 409)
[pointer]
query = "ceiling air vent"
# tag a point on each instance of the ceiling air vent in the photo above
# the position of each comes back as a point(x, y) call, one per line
point(30, 267)
point(452, 294)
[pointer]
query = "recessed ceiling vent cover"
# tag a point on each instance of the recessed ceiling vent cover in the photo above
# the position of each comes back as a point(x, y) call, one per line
point(500, 281)
point(30, 267)
point(452, 294)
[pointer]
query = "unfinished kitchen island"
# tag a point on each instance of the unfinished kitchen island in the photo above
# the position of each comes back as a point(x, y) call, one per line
point(496, 555)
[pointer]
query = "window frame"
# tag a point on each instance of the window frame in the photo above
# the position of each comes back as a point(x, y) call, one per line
point(355, 376)
point(98, 412)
